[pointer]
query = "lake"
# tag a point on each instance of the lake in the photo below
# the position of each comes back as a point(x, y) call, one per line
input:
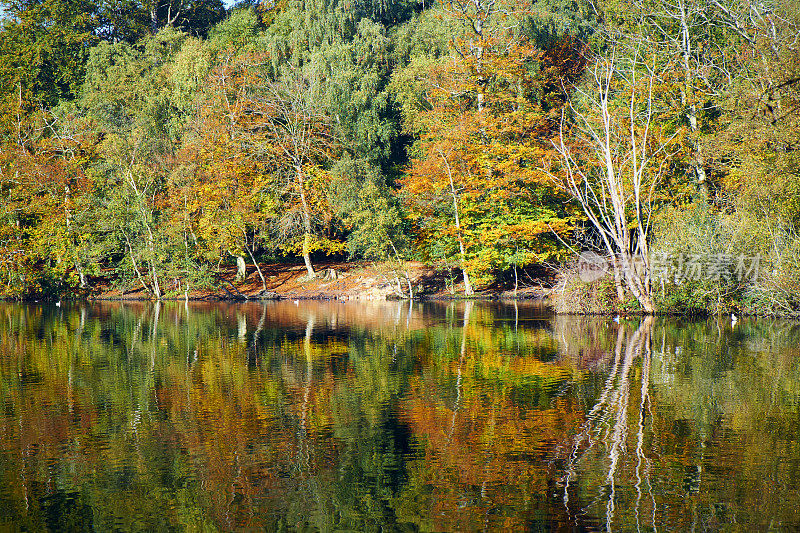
point(402, 416)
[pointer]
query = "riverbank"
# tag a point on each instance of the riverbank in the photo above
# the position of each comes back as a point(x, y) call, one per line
point(562, 291)
point(360, 280)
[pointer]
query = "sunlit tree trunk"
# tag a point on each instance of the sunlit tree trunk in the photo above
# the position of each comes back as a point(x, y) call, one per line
point(467, 284)
point(135, 265)
point(306, 226)
point(146, 220)
point(68, 222)
point(462, 252)
point(250, 251)
point(154, 273)
point(241, 269)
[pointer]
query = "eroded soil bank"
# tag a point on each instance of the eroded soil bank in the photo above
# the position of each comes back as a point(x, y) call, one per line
point(334, 281)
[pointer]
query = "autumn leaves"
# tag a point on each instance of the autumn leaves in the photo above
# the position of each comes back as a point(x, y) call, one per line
point(289, 134)
point(476, 185)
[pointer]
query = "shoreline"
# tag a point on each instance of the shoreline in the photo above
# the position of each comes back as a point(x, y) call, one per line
point(343, 281)
point(357, 281)
point(542, 301)
point(319, 298)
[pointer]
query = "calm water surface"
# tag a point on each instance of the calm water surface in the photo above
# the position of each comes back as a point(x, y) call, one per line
point(390, 416)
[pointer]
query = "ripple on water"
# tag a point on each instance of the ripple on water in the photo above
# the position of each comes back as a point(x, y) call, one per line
point(439, 416)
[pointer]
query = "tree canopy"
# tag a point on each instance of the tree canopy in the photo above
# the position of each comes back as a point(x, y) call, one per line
point(153, 141)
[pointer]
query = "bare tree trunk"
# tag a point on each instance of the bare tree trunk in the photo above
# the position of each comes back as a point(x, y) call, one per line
point(156, 287)
point(462, 252)
point(255, 263)
point(152, 261)
point(306, 226)
point(68, 221)
point(467, 284)
point(399, 285)
point(618, 279)
point(153, 272)
point(516, 282)
point(154, 17)
point(405, 270)
point(146, 222)
point(410, 287)
point(241, 269)
point(260, 274)
point(170, 17)
point(620, 142)
point(307, 255)
point(135, 266)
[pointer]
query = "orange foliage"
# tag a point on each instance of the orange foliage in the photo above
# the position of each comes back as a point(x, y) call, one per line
point(483, 139)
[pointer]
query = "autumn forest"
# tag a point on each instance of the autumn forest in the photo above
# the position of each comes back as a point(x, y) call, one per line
point(150, 143)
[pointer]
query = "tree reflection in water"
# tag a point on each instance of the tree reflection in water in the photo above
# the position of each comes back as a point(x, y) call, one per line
point(607, 424)
point(438, 416)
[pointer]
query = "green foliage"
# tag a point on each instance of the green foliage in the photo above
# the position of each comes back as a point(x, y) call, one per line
point(699, 230)
point(377, 226)
point(237, 32)
point(43, 46)
point(136, 138)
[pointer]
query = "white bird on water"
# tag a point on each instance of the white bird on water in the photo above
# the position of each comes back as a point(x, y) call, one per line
point(296, 302)
point(734, 320)
point(58, 304)
point(616, 319)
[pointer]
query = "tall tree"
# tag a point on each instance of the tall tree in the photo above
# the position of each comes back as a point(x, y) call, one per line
point(299, 140)
point(125, 95)
point(614, 157)
point(229, 198)
point(698, 32)
point(483, 134)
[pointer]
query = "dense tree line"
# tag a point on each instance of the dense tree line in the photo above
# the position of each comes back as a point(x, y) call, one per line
point(158, 140)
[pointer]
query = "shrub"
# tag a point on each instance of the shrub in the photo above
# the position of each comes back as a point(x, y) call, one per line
point(571, 295)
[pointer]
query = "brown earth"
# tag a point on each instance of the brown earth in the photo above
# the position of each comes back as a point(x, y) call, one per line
point(334, 281)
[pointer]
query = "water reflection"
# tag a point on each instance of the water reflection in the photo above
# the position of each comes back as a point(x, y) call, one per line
point(607, 424)
point(438, 416)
